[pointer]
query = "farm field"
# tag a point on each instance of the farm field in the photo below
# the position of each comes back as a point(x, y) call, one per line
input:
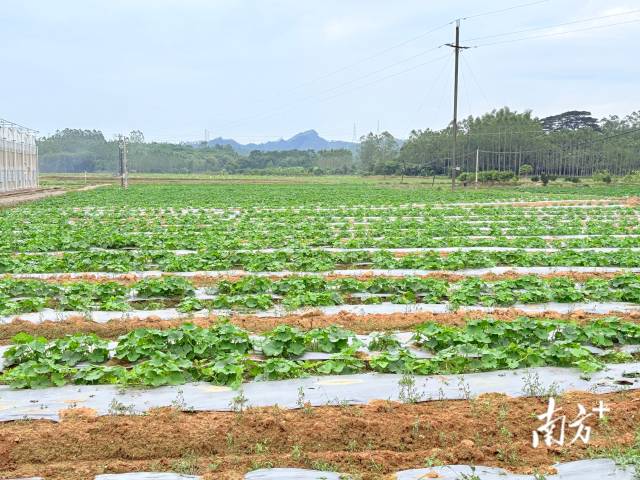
point(357, 329)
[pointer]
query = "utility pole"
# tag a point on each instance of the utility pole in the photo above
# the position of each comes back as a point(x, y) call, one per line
point(477, 164)
point(456, 46)
point(124, 173)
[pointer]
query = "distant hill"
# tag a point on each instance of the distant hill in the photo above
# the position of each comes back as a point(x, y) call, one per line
point(309, 140)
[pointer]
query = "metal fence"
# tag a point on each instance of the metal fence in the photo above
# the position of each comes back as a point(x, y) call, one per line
point(18, 157)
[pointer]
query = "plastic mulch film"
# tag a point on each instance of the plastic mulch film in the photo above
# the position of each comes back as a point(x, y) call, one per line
point(293, 474)
point(599, 469)
point(473, 272)
point(596, 469)
point(146, 476)
point(172, 313)
point(317, 390)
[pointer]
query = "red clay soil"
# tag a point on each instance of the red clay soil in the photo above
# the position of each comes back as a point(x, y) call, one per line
point(207, 280)
point(313, 319)
point(370, 442)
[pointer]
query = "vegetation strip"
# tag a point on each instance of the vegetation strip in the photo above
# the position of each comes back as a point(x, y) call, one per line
point(20, 296)
point(221, 354)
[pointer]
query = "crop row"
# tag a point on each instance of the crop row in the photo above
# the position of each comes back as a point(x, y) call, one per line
point(405, 238)
point(261, 293)
point(225, 354)
point(30, 215)
point(294, 233)
point(331, 194)
point(42, 228)
point(304, 260)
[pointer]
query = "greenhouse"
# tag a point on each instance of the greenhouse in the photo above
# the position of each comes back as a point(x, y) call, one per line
point(18, 157)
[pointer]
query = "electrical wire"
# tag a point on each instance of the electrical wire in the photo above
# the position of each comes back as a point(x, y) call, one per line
point(585, 20)
point(575, 145)
point(357, 88)
point(413, 39)
point(473, 76)
point(556, 33)
point(382, 52)
point(493, 12)
point(433, 84)
point(375, 55)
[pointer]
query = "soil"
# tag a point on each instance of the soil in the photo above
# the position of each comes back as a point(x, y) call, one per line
point(206, 280)
point(313, 319)
point(371, 441)
point(20, 196)
point(10, 199)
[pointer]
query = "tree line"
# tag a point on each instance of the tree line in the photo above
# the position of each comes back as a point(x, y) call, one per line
point(571, 144)
point(76, 151)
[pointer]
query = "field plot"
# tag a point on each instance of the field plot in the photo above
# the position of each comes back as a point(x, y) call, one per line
point(353, 330)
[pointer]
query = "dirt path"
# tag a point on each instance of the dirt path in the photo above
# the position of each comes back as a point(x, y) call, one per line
point(10, 199)
point(13, 198)
point(371, 441)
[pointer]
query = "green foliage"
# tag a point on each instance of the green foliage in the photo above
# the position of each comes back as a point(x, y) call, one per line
point(332, 339)
point(283, 341)
point(160, 369)
point(488, 176)
point(343, 363)
point(88, 151)
point(278, 369)
point(383, 341)
point(187, 341)
point(164, 287)
point(150, 358)
point(42, 373)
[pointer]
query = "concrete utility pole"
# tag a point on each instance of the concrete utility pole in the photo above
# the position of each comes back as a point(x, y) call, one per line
point(124, 172)
point(477, 164)
point(456, 46)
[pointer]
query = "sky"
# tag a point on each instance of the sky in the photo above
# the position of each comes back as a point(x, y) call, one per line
point(257, 70)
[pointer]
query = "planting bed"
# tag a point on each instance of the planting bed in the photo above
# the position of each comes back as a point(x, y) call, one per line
point(214, 330)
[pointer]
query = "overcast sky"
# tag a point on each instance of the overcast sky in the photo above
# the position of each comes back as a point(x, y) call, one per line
point(256, 70)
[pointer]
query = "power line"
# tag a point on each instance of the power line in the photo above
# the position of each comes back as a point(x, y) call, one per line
point(375, 55)
point(433, 85)
point(574, 145)
point(388, 49)
point(413, 39)
point(473, 76)
point(557, 33)
point(336, 87)
point(585, 20)
point(390, 76)
point(493, 12)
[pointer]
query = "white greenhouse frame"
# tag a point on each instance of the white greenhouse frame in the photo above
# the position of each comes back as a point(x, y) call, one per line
point(18, 157)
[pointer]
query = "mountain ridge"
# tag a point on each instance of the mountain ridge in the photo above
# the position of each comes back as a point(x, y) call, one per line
point(307, 140)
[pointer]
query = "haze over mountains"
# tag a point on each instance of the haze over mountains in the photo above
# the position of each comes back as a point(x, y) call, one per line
point(309, 140)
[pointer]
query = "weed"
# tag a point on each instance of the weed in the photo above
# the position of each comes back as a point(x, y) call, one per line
point(306, 407)
point(469, 476)
point(261, 448)
point(118, 408)
point(533, 387)
point(296, 452)
point(433, 461)
point(187, 464)
point(239, 402)
point(323, 466)
point(408, 392)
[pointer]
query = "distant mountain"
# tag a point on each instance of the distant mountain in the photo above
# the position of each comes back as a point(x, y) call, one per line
point(309, 140)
